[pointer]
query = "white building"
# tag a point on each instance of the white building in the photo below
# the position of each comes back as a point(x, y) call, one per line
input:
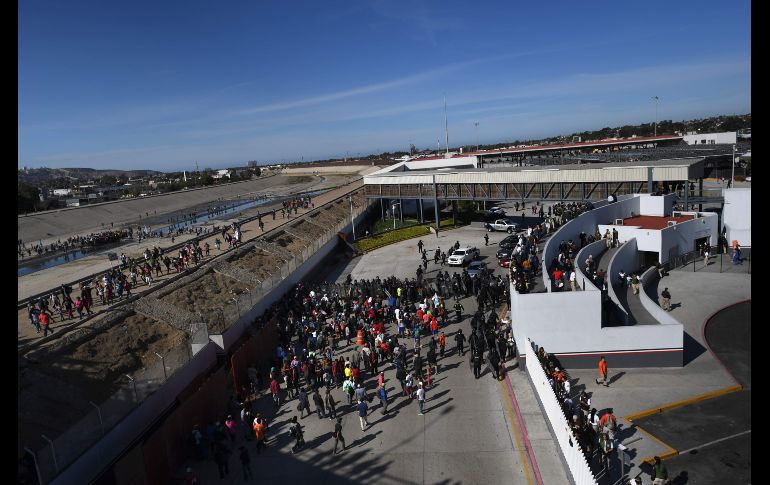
point(725, 138)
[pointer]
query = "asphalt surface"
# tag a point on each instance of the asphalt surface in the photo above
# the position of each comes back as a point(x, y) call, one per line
point(468, 435)
point(713, 436)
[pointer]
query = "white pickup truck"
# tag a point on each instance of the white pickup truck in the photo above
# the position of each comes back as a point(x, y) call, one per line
point(502, 225)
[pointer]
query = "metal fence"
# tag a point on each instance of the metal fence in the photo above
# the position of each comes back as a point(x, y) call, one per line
point(717, 263)
point(60, 452)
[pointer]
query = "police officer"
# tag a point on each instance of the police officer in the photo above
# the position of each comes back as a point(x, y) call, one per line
point(459, 310)
point(460, 339)
point(477, 364)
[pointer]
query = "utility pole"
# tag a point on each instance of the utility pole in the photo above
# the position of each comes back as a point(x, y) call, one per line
point(446, 127)
point(476, 124)
point(656, 114)
point(732, 179)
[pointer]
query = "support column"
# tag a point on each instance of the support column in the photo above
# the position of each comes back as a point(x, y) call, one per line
point(700, 193)
point(686, 193)
point(454, 212)
point(421, 218)
point(649, 180)
point(435, 204)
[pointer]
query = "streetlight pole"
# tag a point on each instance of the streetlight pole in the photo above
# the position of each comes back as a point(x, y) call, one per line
point(656, 114)
point(476, 124)
point(394, 213)
point(352, 221)
point(732, 179)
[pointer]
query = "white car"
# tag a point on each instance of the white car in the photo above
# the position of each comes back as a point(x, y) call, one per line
point(463, 255)
point(502, 225)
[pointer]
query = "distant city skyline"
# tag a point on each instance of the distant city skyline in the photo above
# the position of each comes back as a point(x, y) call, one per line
point(160, 86)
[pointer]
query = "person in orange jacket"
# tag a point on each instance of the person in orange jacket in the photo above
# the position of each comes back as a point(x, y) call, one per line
point(442, 343)
point(603, 372)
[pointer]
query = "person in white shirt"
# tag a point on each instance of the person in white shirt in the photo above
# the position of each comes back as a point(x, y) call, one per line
point(421, 398)
point(573, 280)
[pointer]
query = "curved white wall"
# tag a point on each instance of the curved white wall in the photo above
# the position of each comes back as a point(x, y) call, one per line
point(594, 249)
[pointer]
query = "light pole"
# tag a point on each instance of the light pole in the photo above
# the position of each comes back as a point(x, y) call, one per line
point(476, 124)
point(352, 221)
point(656, 114)
point(732, 178)
point(394, 213)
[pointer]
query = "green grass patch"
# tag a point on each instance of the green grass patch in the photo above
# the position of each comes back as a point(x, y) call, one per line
point(387, 225)
point(374, 242)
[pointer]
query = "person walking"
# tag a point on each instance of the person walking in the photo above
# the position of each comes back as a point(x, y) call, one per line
point(460, 339)
point(421, 398)
point(221, 456)
point(304, 404)
point(319, 404)
point(275, 390)
point(245, 463)
point(442, 343)
point(338, 435)
point(666, 298)
point(383, 395)
point(259, 427)
point(659, 472)
point(331, 405)
point(362, 409)
point(486, 239)
point(296, 432)
point(603, 372)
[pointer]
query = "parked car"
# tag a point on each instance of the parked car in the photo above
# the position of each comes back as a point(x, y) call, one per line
point(504, 262)
point(502, 225)
point(475, 268)
point(461, 256)
point(505, 252)
point(494, 213)
point(509, 242)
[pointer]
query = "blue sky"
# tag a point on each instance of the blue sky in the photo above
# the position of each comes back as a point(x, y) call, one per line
point(161, 85)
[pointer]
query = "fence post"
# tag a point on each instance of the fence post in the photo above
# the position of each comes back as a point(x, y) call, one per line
point(99, 412)
point(163, 363)
point(53, 452)
point(133, 382)
point(37, 467)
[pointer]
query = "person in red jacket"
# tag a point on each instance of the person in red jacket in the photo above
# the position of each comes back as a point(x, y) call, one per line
point(275, 390)
point(603, 372)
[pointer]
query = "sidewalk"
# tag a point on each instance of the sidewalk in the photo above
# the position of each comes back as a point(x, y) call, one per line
point(695, 297)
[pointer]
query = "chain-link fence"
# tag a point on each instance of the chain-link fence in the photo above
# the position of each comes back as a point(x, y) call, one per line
point(61, 451)
point(133, 389)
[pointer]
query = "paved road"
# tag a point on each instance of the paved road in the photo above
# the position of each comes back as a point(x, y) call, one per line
point(468, 435)
point(713, 436)
point(695, 296)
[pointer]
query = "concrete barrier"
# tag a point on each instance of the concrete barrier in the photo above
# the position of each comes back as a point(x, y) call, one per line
point(594, 249)
point(649, 277)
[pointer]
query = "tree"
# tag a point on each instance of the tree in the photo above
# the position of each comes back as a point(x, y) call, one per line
point(27, 198)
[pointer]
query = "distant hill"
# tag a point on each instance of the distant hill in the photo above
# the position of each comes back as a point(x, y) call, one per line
point(38, 176)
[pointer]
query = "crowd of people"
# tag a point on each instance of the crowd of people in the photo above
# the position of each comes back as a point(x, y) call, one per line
point(113, 285)
point(340, 344)
point(295, 204)
point(95, 239)
point(595, 433)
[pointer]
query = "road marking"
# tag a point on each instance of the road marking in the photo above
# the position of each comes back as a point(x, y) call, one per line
point(668, 454)
point(683, 402)
point(515, 433)
point(715, 442)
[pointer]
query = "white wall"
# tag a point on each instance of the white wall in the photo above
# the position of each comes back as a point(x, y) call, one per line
point(646, 239)
point(626, 259)
point(587, 223)
point(649, 278)
point(594, 249)
point(684, 234)
point(728, 137)
point(576, 463)
point(736, 215)
point(656, 205)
